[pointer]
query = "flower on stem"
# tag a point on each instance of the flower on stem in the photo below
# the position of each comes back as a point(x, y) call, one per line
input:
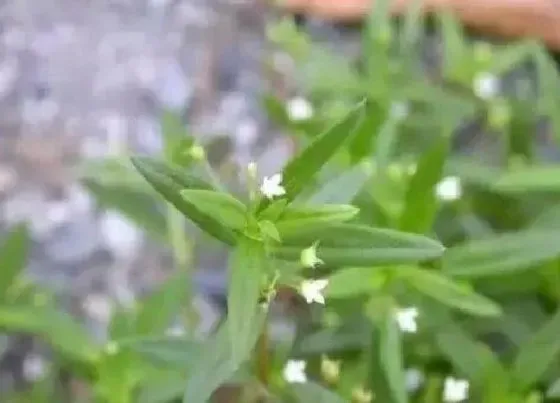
point(406, 319)
point(197, 152)
point(308, 257)
point(272, 186)
point(455, 390)
point(299, 109)
point(413, 379)
point(449, 188)
point(486, 85)
point(312, 290)
point(294, 371)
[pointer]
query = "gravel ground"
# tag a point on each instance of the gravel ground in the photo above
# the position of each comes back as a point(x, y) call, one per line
point(84, 79)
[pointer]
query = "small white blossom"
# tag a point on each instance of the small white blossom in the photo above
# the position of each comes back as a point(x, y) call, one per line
point(34, 367)
point(486, 85)
point(406, 319)
point(294, 371)
point(308, 257)
point(413, 379)
point(399, 110)
point(455, 390)
point(299, 109)
point(449, 188)
point(272, 186)
point(312, 290)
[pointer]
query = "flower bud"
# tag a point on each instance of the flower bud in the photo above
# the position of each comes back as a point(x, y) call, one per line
point(361, 395)
point(308, 257)
point(330, 370)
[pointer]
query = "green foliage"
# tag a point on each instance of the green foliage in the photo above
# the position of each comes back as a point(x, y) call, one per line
point(362, 223)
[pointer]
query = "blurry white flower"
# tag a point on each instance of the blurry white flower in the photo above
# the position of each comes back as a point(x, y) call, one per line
point(272, 186)
point(486, 85)
point(294, 371)
point(308, 257)
point(406, 319)
point(413, 379)
point(399, 110)
point(99, 307)
point(299, 109)
point(34, 367)
point(449, 188)
point(455, 390)
point(312, 290)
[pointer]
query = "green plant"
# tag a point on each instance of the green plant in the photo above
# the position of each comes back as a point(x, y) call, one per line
point(419, 273)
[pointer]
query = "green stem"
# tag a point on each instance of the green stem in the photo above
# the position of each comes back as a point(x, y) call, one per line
point(262, 358)
point(432, 390)
point(181, 249)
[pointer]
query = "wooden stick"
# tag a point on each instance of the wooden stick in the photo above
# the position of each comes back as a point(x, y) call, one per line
point(505, 18)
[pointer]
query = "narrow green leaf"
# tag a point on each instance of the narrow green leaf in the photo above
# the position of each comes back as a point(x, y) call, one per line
point(225, 208)
point(57, 328)
point(352, 335)
point(386, 142)
point(536, 356)
point(158, 311)
point(412, 27)
point(362, 143)
point(390, 352)
point(444, 290)
point(470, 358)
point(247, 268)
point(301, 170)
point(13, 256)
point(312, 392)
point(169, 182)
point(167, 351)
point(217, 363)
point(511, 56)
point(502, 254)
point(343, 188)
point(358, 245)
point(340, 78)
point(421, 202)
point(455, 47)
point(353, 281)
point(548, 219)
point(300, 219)
point(544, 178)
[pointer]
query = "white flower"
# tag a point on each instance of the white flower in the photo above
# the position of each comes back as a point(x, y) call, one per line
point(312, 290)
point(299, 109)
point(34, 367)
point(294, 371)
point(455, 390)
point(449, 189)
point(308, 257)
point(399, 110)
point(406, 319)
point(271, 186)
point(413, 379)
point(486, 85)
